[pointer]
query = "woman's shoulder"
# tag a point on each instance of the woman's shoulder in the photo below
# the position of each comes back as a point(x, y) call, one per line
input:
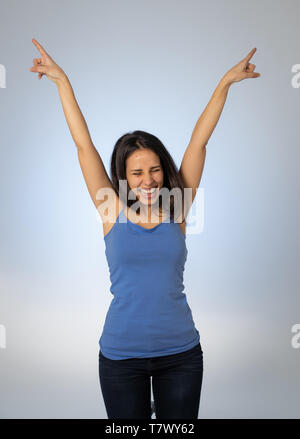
point(110, 213)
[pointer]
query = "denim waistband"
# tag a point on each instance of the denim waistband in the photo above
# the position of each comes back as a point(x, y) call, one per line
point(160, 358)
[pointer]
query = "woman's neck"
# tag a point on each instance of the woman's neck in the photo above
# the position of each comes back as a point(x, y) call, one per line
point(147, 211)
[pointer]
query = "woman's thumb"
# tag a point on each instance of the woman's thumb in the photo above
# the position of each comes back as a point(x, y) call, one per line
point(254, 75)
point(39, 69)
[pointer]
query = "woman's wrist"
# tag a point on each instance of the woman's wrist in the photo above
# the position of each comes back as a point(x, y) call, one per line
point(62, 80)
point(225, 83)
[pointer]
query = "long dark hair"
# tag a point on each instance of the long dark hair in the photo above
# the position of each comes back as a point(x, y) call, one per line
point(125, 146)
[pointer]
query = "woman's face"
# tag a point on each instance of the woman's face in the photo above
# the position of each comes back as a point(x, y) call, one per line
point(144, 170)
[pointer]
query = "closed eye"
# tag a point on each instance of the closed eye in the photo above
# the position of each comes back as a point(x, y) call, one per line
point(138, 173)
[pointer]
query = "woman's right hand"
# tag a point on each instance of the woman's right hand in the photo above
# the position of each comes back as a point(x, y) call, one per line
point(46, 66)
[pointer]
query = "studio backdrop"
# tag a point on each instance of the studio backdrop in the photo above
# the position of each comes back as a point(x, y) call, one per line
point(151, 66)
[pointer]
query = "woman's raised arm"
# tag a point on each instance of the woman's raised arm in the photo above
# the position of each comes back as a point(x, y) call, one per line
point(192, 164)
point(92, 167)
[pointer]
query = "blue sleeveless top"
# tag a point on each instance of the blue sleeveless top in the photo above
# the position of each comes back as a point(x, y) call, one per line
point(149, 315)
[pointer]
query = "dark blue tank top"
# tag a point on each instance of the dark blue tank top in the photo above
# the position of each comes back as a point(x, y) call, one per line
point(149, 315)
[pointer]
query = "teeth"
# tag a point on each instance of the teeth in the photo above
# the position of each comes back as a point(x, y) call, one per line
point(150, 191)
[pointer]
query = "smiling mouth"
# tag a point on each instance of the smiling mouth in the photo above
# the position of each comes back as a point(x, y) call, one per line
point(148, 193)
point(139, 189)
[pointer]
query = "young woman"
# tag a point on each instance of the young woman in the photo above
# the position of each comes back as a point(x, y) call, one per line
point(149, 329)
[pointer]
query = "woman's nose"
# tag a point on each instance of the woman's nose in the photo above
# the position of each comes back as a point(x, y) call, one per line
point(148, 181)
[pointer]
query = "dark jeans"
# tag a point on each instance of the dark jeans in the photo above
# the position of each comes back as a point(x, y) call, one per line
point(176, 382)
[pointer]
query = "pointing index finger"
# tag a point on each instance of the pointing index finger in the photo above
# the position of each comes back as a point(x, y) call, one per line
point(39, 47)
point(250, 54)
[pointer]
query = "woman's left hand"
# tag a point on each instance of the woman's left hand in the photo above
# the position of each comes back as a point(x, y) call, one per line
point(242, 70)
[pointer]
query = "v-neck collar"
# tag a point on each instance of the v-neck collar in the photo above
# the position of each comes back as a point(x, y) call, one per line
point(141, 227)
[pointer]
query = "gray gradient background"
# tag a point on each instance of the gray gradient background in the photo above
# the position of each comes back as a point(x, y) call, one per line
point(151, 66)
